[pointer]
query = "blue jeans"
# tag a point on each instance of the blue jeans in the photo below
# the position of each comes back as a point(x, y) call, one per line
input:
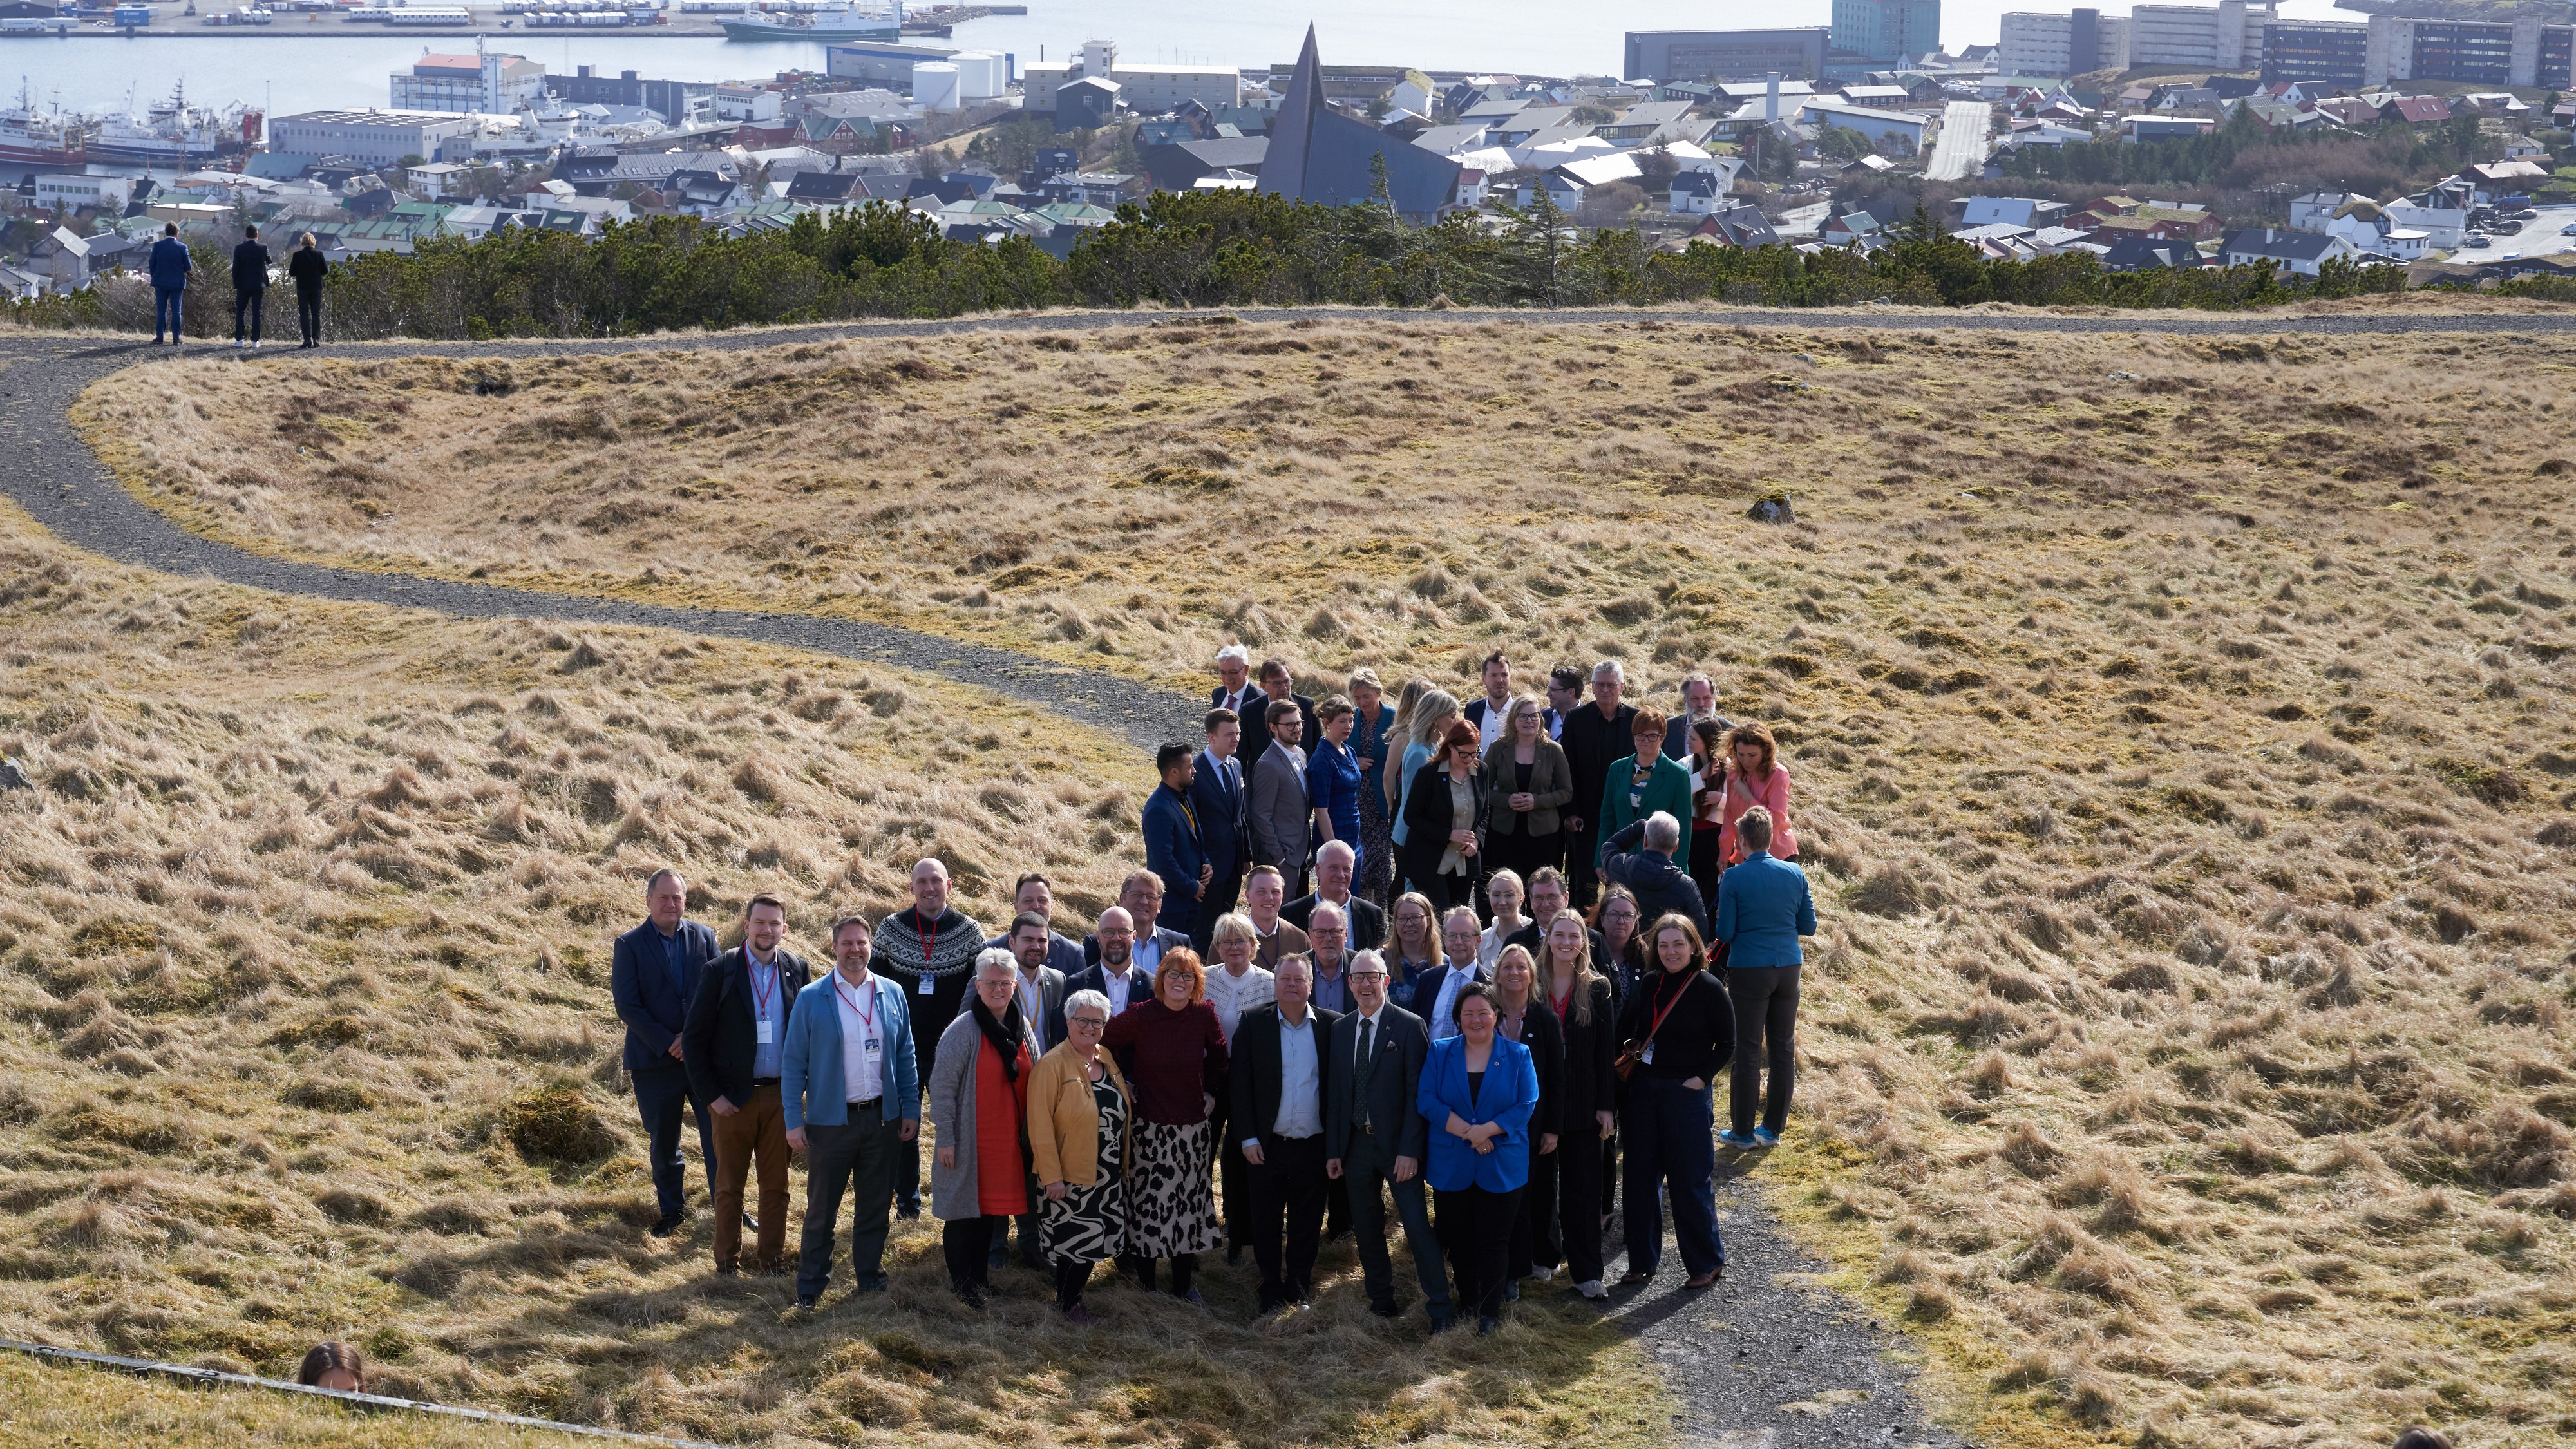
point(165, 311)
point(660, 1094)
point(1362, 1171)
point(1668, 1136)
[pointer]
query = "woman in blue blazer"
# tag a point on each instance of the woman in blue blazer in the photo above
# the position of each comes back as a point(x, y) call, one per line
point(1478, 1091)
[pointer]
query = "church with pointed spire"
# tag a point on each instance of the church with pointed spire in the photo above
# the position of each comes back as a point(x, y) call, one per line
point(1317, 153)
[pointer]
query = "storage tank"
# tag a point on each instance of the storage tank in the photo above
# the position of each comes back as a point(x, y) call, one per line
point(934, 86)
point(979, 75)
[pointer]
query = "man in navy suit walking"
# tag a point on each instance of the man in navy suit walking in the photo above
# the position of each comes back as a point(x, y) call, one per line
point(1225, 828)
point(652, 977)
point(1173, 847)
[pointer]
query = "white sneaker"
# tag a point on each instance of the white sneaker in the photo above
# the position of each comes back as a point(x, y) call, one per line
point(1591, 1288)
point(236, 344)
point(254, 344)
point(1543, 1273)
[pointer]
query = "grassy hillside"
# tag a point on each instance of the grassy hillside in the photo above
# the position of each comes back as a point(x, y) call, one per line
point(2181, 730)
point(305, 1031)
point(89, 1409)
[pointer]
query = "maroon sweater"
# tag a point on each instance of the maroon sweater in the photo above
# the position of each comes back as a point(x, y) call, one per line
point(1175, 1058)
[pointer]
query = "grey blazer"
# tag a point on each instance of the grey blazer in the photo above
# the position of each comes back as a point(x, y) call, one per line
point(953, 1193)
point(1279, 817)
point(1551, 786)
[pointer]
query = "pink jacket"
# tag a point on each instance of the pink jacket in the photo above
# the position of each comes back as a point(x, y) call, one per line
point(1743, 792)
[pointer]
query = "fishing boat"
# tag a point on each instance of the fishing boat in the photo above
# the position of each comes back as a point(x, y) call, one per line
point(29, 137)
point(172, 133)
point(836, 21)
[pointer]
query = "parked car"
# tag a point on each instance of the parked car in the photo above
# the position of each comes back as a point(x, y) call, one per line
point(2568, 230)
point(2477, 241)
point(2506, 228)
point(2526, 214)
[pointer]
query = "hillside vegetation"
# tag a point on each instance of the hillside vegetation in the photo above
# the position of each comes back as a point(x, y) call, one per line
point(305, 1033)
point(2181, 729)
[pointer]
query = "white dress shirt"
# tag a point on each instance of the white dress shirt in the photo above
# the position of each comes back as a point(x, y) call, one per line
point(1114, 982)
point(1490, 728)
point(862, 1038)
point(1300, 1068)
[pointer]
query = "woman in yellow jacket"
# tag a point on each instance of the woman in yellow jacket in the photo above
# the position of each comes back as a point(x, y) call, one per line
point(1080, 1134)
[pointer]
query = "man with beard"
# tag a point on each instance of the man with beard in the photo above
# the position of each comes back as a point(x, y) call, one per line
point(929, 953)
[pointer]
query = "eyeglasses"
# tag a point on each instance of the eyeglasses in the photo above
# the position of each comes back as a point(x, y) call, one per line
point(1367, 976)
point(1094, 1023)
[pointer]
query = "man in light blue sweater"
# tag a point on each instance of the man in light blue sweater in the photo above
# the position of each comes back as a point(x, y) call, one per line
point(852, 1093)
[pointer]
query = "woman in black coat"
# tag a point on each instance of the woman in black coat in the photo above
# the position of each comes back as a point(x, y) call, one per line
point(1522, 1014)
point(1577, 1001)
point(1443, 855)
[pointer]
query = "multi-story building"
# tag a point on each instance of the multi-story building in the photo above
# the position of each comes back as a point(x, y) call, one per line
point(1147, 90)
point(372, 137)
point(2226, 37)
point(2038, 43)
point(1883, 32)
point(492, 84)
point(1721, 55)
point(2332, 51)
point(2517, 52)
point(673, 101)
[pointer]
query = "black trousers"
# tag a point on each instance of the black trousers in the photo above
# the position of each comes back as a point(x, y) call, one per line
point(1476, 1232)
point(859, 1153)
point(1447, 891)
point(1766, 1019)
point(252, 304)
point(1707, 863)
point(1535, 1239)
point(1071, 1277)
point(1287, 1200)
point(1524, 855)
point(1579, 1197)
point(308, 313)
point(962, 1241)
point(1233, 1174)
point(1582, 881)
point(1219, 898)
point(1368, 1180)
point(661, 1097)
point(1185, 1266)
point(907, 1165)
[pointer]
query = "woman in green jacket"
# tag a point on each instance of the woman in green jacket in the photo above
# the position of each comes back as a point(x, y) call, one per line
point(1644, 783)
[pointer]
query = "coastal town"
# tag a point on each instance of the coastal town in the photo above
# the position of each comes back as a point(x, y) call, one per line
point(2436, 146)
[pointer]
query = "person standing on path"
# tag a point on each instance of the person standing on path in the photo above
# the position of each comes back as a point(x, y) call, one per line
point(928, 952)
point(1682, 1030)
point(652, 978)
point(250, 284)
point(1333, 779)
point(1280, 817)
point(735, 1048)
point(170, 267)
point(851, 1090)
point(1763, 907)
point(308, 267)
point(1223, 804)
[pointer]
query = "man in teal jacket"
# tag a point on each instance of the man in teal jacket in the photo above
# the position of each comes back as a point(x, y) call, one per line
point(852, 1094)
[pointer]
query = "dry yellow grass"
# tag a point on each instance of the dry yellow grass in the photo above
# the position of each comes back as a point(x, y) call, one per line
point(2183, 755)
point(313, 903)
point(73, 1408)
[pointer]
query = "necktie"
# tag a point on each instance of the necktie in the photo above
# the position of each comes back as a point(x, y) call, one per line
point(1368, 1030)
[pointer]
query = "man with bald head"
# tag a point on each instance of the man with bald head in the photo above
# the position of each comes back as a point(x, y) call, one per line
point(1364, 925)
point(1282, 1065)
point(652, 976)
point(1114, 971)
point(928, 952)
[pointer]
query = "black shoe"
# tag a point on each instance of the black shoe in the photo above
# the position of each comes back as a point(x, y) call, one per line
point(1488, 1325)
point(869, 1283)
point(667, 1224)
point(807, 1305)
point(750, 1224)
point(972, 1295)
point(727, 1270)
point(1442, 1323)
point(1389, 1309)
point(911, 1214)
point(1234, 1255)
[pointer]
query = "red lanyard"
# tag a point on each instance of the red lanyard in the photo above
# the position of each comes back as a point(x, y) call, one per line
point(927, 935)
point(750, 968)
point(868, 1017)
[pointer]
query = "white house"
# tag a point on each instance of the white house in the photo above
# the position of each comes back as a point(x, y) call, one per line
point(1694, 193)
point(84, 193)
point(1876, 124)
point(2302, 252)
point(2443, 227)
point(440, 180)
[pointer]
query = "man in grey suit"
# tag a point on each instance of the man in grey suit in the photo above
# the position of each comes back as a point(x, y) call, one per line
point(1278, 813)
point(1374, 1133)
point(1042, 993)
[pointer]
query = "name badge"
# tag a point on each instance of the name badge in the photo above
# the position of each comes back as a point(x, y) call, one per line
point(872, 1046)
point(764, 1031)
point(1648, 1055)
point(925, 983)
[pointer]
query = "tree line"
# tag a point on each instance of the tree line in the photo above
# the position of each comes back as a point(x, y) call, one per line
point(1200, 249)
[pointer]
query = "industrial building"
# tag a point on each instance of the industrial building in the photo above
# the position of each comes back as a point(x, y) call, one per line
point(1146, 90)
point(2226, 37)
point(374, 138)
point(673, 101)
point(2038, 43)
point(491, 84)
point(1719, 55)
point(2517, 52)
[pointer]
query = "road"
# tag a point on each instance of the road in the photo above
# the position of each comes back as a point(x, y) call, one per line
point(1961, 150)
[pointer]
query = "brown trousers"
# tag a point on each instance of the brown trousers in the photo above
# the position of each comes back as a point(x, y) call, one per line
point(758, 1130)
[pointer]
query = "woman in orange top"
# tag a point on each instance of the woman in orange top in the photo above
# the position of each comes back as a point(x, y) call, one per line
point(1754, 776)
point(978, 1111)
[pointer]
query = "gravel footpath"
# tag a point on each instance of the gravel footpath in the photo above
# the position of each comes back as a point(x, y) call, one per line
point(1762, 1360)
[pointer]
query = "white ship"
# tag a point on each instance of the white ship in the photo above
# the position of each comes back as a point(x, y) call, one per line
point(836, 21)
point(173, 133)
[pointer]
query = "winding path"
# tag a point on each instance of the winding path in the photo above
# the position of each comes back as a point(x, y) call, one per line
point(1737, 1358)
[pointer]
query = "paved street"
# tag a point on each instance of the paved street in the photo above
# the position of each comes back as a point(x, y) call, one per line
point(1961, 149)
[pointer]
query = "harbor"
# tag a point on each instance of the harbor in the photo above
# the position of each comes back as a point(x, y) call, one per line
point(515, 20)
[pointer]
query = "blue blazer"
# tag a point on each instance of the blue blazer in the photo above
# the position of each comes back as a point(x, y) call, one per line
point(1173, 850)
point(639, 981)
point(1225, 825)
point(811, 1059)
point(171, 263)
point(1762, 909)
point(1510, 1095)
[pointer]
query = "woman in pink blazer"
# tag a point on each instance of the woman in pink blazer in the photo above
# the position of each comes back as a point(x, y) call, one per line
point(1755, 777)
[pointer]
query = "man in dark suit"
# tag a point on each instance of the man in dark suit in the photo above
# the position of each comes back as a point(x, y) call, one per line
point(1564, 692)
point(1699, 702)
point(1234, 689)
point(1035, 892)
point(1546, 898)
point(1374, 1133)
point(1596, 737)
point(735, 1048)
point(652, 977)
point(1491, 713)
point(1335, 864)
point(1282, 1060)
point(1220, 796)
point(1174, 847)
point(1275, 687)
point(1141, 896)
point(1113, 971)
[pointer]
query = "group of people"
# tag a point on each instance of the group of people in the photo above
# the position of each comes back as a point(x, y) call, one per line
point(1501, 1021)
point(170, 265)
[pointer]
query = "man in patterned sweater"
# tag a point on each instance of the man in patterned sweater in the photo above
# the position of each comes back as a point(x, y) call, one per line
point(928, 951)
